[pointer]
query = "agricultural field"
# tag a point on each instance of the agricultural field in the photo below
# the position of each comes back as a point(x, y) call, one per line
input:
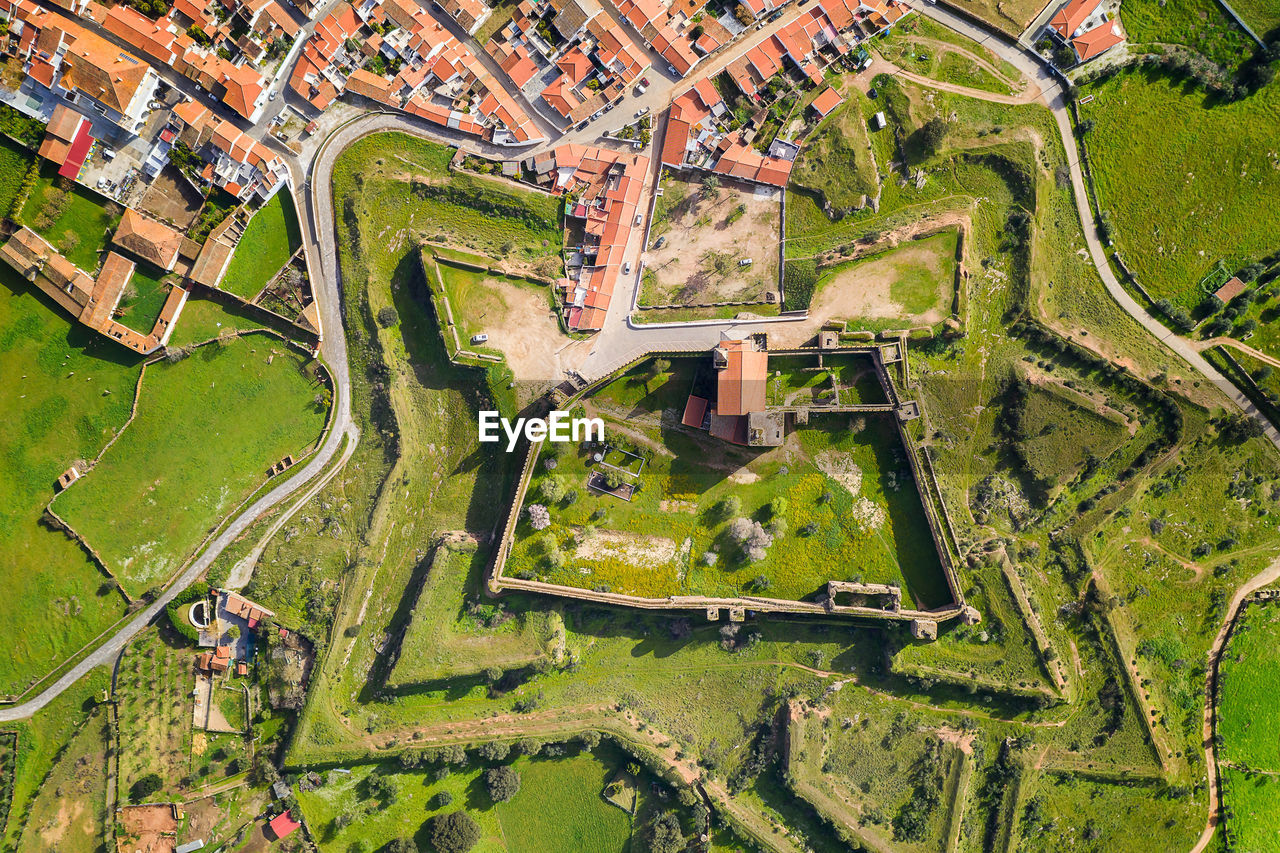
point(1145, 172)
point(153, 702)
point(838, 501)
point(912, 284)
point(66, 391)
point(837, 165)
point(1201, 25)
point(455, 631)
point(69, 810)
point(269, 240)
point(708, 228)
point(76, 221)
point(151, 500)
point(1254, 800)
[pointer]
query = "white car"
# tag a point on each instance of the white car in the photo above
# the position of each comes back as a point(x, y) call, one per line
point(479, 339)
point(626, 268)
point(642, 112)
point(745, 262)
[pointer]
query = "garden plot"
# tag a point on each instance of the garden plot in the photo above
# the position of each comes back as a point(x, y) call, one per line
point(708, 227)
point(836, 502)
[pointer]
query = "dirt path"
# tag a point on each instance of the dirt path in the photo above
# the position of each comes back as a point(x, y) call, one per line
point(1267, 576)
point(1194, 568)
point(1018, 84)
point(1210, 343)
point(880, 65)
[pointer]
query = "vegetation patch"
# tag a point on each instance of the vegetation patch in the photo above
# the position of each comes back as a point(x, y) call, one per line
point(456, 631)
point(75, 220)
point(269, 240)
point(151, 500)
point(837, 165)
point(1248, 717)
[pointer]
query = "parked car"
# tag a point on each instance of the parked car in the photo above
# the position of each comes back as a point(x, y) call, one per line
point(642, 112)
point(626, 268)
point(639, 218)
point(745, 262)
point(640, 90)
point(479, 339)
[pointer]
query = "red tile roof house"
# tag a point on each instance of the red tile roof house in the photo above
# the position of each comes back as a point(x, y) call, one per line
point(236, 161)
point(1086, 27)
point(282, 826)
point(68, 63)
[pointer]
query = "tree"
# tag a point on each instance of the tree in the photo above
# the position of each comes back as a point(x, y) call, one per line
point(539, 517)
point(503, 783)
point(665, 835)
point(1063, 56)
point(146, 786)
point(402, 845)
point(234, 632)
point(552, 488)
point(494, 750)
point(710, 186)
point(387, 316)
point(752, 536)
point(658, 366)
point(930, 136)
point(455, 832)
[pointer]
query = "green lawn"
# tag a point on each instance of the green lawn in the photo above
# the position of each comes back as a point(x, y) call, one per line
point(155, 496)
point(1177, 206)
point(269, 240)
point(14, 162)
point(456, 631)
point(74, 220)
point(560, 807)
point(853, 510)
point(65, 391)
point(1262, 16)
point(1249, 718)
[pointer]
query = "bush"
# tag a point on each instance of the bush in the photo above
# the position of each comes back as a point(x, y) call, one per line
point(387, 317)
point(455, 832)
point(799, 278)
point(503, 783)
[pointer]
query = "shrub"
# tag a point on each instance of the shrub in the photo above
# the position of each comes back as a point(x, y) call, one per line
point(146, 786)
point(455, 832)
point(387, 316)
point(503, 783)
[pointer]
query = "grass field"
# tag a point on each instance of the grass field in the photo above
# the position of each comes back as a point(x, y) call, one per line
point(14, 162)
point(41, 741)
point(1064, 811)
point(69, 813)
point(853, 510)
point(79, 228)
point(66, 391)
point(912, 284)
point(270, 239)
point(1254, 801)
point(837, 165)
point(153, 701)
point(204, 319)
point(1178, 207)
point(153, 496)
point(410, 185)
point(913, 45)
point(1262, 15)
point(1249, 719)
point(1201, 25)
point(456, 632)
point(1062, 432)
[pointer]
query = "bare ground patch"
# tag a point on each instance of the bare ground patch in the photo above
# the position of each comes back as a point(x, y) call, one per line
point(706, 234)
point(171, 199)
point(525, 331)
point(633, 549)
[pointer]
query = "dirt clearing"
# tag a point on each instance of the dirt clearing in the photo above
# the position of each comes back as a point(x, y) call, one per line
point(708, 228)
point(639, 551)
point(171, 199)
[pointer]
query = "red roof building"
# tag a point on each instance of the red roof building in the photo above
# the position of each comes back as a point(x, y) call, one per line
point(827, 101)
point(283, 825)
